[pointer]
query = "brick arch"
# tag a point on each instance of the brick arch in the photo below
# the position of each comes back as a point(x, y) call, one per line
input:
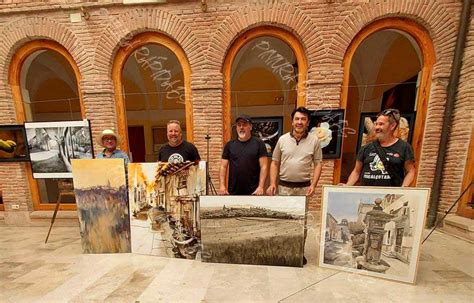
point(425, 13)
point(122, 29)
point(283, 15)
point(19, 32)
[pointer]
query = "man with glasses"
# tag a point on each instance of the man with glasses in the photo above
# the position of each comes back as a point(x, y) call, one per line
point(109, 140)
point(386, 161)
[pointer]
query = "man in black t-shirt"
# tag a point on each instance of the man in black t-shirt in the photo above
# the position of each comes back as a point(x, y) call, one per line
point(398, 167)
point(246, 161)
point(177, 150)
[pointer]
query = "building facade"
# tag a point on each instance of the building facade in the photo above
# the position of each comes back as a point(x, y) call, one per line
point(132, 67)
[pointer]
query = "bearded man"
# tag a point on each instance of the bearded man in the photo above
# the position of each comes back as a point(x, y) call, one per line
point(245, 161)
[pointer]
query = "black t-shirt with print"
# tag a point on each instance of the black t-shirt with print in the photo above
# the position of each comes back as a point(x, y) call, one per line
point(373, 170)
point(184, 152)
point(244, 167)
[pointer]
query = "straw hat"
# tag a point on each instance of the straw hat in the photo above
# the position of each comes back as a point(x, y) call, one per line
point(107, 132)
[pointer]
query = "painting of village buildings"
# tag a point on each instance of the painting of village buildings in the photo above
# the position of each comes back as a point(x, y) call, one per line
point(53, 145)
point(101, 197)
point(259, 230)
point(164, 208)
point(373, 231)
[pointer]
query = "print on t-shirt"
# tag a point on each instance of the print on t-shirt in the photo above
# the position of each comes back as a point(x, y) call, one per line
point(377, 164)
point(377, 169)
point(175, 158)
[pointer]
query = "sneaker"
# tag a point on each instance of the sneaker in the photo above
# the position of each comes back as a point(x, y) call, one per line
point(304, 260)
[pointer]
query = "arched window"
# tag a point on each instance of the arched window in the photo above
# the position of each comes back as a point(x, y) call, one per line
point(264, 74)
point(151, 77)
point(44, 79)
point(387, 65)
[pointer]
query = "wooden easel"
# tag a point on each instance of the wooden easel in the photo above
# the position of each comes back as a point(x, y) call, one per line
point(65, 189)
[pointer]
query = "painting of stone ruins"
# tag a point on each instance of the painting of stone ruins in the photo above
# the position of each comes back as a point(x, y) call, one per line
point(52, 146)
point(164, 208)
point(253, 229)
point(101, 197)
point(375, 231)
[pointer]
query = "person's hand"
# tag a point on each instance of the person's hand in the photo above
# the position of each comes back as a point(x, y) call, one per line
point(222, 191)
point(342, 184)
point(271, 190)
point(310, 191)
point(258, 192)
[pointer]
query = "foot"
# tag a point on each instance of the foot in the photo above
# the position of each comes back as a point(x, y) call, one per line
point(304, 260)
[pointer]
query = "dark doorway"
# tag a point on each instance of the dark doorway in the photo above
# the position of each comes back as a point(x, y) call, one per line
point(136, 141)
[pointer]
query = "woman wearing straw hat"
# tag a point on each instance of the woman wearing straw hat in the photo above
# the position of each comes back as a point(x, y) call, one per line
point(109, 140)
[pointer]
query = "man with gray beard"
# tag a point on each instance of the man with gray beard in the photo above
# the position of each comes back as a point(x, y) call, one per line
point(245, 159)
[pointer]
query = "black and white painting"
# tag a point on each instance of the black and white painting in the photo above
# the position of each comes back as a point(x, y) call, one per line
point(53, 145)
point(374, 231)
point(259, 230)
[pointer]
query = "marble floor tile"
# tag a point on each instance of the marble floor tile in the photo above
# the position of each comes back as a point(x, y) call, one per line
point(32, 271)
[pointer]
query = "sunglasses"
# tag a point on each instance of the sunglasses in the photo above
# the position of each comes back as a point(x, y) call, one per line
point(395, 113)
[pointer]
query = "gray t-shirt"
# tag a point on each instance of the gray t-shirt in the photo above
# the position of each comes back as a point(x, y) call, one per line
point(297, 159)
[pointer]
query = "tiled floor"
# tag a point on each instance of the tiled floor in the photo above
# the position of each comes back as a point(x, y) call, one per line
point(31, 271)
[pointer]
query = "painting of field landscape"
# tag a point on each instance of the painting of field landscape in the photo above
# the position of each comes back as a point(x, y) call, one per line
point(260, 230)
point(164, 208)
point(101, 197)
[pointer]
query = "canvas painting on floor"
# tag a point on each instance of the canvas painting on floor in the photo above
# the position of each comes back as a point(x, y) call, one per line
point(164, 208)
point(13, 146)
point(102, 207)
point(53, 145)
point(260, 230)
point(374, 231)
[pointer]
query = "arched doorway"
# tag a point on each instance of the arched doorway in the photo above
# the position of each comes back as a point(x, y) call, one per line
point(387, 65)
point(264, 74)
point(44, 80)
point(152, 81)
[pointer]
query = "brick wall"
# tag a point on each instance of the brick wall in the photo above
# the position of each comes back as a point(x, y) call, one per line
point(324, 28)
point(461, 129)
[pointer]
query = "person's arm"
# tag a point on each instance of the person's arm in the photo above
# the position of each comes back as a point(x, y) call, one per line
point(222, 177)
point(410, 173)
point(316, 174)
point(263, 162)
point(355, 174)
point(271, 190)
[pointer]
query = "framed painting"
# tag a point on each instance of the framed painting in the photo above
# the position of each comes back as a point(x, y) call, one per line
point(13, 147)
point(259, 230)
point(367, 128)
point(328, 126)
point(53, 145)
point(164, 208)
point(268, 129)
point(102, 205)
point(374, 231)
